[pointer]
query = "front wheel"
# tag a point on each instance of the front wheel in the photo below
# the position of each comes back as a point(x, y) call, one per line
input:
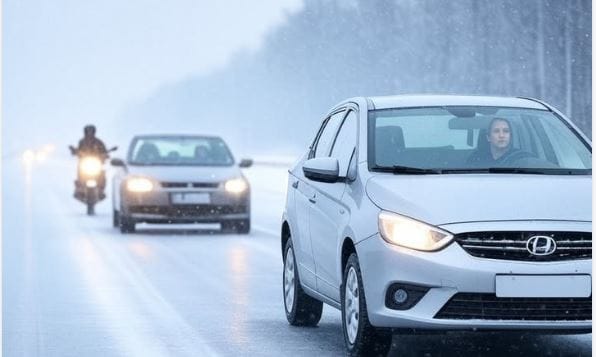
point(90, 208)
point(115, 218)
point(127, 224)
point(301, 309)
point(360, 336)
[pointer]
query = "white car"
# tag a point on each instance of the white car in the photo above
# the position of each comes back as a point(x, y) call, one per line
point(180, 179)
point(440, 213)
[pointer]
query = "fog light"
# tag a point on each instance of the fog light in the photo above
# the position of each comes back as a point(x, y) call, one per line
point(91, 183)
point(400, 296)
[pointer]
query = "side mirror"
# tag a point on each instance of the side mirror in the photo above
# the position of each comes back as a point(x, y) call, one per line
point(113, 149)
point(324, 169)
point(245, 163)
point(117, 162)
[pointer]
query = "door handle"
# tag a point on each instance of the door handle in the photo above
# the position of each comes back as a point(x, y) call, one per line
point(313, 198)
point(295, 184)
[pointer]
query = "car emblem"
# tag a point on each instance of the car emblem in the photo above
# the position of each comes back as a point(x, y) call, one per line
point(541, 245)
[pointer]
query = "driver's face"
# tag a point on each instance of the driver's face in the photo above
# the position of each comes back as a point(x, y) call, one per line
point(500, 135)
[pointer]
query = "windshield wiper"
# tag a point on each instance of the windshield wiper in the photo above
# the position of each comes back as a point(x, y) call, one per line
point(538, 171)
point(397, 169)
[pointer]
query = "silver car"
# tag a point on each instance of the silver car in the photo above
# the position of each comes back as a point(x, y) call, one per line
point(440, 213)
point(180, 179)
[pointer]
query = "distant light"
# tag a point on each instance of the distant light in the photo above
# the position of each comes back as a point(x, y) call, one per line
point(41, 156)
point(28, 157)
point(49, 148)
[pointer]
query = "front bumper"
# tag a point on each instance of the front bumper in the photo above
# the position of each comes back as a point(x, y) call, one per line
point(447, 273)
point(157, 206)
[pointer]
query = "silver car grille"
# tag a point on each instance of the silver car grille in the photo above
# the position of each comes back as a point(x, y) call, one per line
point(189, 184)
point(515, 246)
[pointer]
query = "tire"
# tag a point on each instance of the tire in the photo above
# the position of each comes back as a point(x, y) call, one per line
point(301, 309)
point(91, 199)
point(241, 226)
point(127, 224)
point(115, 218)
point(90, 208)
point(362, 339)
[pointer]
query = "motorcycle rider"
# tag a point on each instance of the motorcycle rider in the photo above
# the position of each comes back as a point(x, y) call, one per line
point(90, 145)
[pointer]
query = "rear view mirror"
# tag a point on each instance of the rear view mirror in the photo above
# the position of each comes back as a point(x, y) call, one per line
point(324, 169)
point(117, 162)
point(245, 163)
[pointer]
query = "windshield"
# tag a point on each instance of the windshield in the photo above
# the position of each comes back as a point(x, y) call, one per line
point(451, 139)
point(186, 151)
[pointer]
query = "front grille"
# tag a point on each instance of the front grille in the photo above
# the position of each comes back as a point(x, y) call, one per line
point(468, 306)
point(513, 245)
point(189, 184)
point(182, 211)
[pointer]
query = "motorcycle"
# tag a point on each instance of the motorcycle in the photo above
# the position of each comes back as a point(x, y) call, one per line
point(91, 178)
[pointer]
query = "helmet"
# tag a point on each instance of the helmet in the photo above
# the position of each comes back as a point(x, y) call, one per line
point(89, 130)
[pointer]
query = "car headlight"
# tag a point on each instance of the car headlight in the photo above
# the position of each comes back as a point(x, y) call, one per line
point(237, 185)
point(91, 166)
point(139, 184)
point(410, 233)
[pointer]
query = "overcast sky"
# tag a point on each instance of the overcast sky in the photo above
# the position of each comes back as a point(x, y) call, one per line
point(69, 62)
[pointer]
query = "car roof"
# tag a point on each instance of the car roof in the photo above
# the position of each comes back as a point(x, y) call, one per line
point(412, 101)
point(176, 136)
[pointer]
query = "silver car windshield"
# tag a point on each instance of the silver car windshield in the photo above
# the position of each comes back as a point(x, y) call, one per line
point(475, 139)
point(185, 151)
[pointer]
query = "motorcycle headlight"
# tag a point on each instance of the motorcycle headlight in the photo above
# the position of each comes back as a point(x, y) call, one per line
point(410, 233)
point(238, 185)
point(91, 166)
point(139, 184)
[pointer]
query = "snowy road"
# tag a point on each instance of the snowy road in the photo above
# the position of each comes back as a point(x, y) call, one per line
point(74, 286)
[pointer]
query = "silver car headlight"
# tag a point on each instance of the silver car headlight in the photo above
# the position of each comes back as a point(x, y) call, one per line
point(237, 185)
point(410, 233)
point(139, 184)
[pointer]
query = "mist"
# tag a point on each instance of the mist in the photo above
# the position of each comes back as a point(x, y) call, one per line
point(272, 100)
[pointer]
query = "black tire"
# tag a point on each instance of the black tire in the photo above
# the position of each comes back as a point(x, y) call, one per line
point(127, 224)
point(115, 218)
point(305, 310)
point(241, 226)
point(90, 208)
point(91, 199)
point(368, 341)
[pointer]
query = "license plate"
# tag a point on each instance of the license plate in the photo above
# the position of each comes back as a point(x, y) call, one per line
point(556, 286)
point(190, 198)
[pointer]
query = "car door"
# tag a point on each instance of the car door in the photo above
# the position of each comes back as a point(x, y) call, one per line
point(328, 215)
point(302, 191)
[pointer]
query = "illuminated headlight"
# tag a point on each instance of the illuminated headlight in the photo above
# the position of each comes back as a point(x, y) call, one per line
point(28, 157)
point(410, 233)
point(139, 184)
point(236, 185)
point(91, 166)
point(91, 183)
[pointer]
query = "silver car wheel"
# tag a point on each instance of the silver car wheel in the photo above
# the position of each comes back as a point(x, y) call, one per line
point(352, 305)
point(289, 280)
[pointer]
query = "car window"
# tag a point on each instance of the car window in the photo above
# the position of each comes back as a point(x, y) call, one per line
point(345, 142)
point(323, 145)
point(200, 151)
point(452, 138)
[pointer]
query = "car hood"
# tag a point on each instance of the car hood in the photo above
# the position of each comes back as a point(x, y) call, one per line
point(444, 199)
point(186, 173)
